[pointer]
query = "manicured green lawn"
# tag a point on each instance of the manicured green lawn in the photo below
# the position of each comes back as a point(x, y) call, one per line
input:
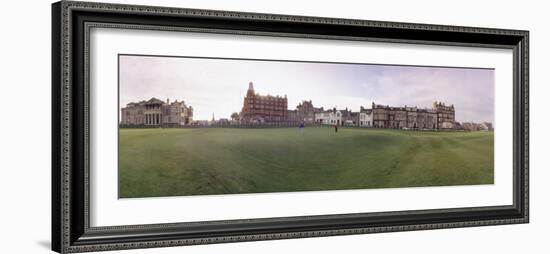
point(173, 162)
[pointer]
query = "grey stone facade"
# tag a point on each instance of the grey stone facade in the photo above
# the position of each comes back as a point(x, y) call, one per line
point(155, 112)
point(440, 117)
point(445, 115)
point(304, 112)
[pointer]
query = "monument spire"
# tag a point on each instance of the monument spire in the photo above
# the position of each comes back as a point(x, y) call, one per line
point(250, 86)
point(250, 91)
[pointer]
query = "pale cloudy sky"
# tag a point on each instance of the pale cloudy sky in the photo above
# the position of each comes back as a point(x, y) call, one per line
point(219, 85)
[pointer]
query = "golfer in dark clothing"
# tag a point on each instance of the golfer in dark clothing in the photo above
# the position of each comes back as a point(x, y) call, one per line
point(335, 128)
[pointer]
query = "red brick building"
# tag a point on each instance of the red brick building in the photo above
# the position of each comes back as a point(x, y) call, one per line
point(263, 108)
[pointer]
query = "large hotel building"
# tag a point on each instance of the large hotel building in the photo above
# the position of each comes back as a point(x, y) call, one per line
point(263, 108)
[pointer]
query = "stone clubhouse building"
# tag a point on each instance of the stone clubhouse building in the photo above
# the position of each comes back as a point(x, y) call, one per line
point(273, 110)
point(155, 112)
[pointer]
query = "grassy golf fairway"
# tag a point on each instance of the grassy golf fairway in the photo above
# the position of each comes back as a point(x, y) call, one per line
point(175, 162)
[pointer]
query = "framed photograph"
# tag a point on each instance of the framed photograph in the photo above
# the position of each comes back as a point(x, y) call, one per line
point(178, 126)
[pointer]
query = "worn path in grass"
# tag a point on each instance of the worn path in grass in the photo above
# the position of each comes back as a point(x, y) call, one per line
point(168, 162)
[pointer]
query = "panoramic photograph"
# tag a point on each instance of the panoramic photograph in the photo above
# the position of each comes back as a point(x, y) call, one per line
point(208, 126)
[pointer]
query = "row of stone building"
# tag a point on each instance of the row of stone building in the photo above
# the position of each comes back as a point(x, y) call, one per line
point(266, 108)
point(383, 116)
point(440, 116)
point(258, 109)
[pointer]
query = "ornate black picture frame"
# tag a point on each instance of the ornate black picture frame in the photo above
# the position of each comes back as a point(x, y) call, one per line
point(71, 231)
